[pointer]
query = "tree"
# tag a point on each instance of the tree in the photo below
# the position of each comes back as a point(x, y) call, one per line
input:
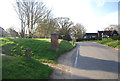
point(78, 31)
point(22, 17)
point(47, 26)
point(64, 25)
point(30, 13)
point(111, 28)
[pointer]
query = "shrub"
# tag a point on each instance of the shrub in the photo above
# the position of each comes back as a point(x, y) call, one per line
point(79, 39)
point(67, 37)
point(115, 37)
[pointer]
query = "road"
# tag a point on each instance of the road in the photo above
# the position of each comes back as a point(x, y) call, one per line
point(88, 60)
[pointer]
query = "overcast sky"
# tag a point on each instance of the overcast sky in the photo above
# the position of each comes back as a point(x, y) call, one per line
point(93, 14)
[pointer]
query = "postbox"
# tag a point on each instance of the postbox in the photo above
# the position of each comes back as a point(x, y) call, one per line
point(54, 41)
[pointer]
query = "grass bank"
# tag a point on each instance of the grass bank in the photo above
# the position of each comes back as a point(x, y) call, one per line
point(22, 68)
point(108, 41)
point(41, 51)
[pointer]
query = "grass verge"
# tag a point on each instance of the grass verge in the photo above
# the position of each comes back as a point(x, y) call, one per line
point(111, 43)
point(108, 42)
point(15, 63)
point(22, 68)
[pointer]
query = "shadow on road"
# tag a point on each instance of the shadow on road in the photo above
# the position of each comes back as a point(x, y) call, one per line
point(89, 63)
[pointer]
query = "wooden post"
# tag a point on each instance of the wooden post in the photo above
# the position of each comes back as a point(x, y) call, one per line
point(54, 41)
point(27, 53)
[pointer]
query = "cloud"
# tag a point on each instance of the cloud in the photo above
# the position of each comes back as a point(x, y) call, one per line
point(111, 18)
point(82, 12)
point(100, 3)
point(100, 22)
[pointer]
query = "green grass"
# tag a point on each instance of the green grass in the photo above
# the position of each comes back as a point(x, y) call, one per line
point(22, 68)
point(108, 41)
point(40, 52)
point(40, 48)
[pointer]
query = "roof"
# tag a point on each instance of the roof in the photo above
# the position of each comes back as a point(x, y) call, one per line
point(104, 31)
point(91, 34)
point(108, 32)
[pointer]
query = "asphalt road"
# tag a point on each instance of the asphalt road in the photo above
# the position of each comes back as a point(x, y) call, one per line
point(88, 60)
point(94, 61)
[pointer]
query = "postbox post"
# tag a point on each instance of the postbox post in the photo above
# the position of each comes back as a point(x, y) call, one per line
point(54, 41)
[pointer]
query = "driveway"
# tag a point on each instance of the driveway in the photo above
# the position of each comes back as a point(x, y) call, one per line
point(88, 60)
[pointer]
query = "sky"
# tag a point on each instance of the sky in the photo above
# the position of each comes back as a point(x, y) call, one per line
point(94, 15)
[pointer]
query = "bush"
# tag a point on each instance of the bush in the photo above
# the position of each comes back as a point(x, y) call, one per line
point(115, 37)
point(110, 42)
point(80, 39)
point(67, 37)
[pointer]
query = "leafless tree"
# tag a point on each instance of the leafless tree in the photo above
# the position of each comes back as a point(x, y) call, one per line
point(64, 25)
point(21, 14)
point(78, 31)
point(46, 26)
point(30, 13)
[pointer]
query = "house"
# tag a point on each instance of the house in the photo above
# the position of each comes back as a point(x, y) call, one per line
point(115, 33)
point(91, 35)
point(107, 33)
point(100, 34)
point(3, 33)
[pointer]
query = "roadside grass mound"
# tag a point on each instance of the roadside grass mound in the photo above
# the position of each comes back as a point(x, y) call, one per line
point(41, 51)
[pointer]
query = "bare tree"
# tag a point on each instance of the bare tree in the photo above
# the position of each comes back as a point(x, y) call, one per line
point(78, 31)
point(112, 27)
point(30, 13)
point(44, 29)
point(46, 26)
point(64, 26)
point(21, 14)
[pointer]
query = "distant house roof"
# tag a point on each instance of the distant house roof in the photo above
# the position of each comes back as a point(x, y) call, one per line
point(109, 33)
point(104, 33)
point(1, 28)
point(115, 32)
point(91, 34)
point(3, 33)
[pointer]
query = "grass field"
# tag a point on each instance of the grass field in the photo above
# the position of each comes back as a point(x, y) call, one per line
point(16, 66)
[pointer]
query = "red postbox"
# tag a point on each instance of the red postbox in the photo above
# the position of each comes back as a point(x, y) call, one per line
point(54, 41)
